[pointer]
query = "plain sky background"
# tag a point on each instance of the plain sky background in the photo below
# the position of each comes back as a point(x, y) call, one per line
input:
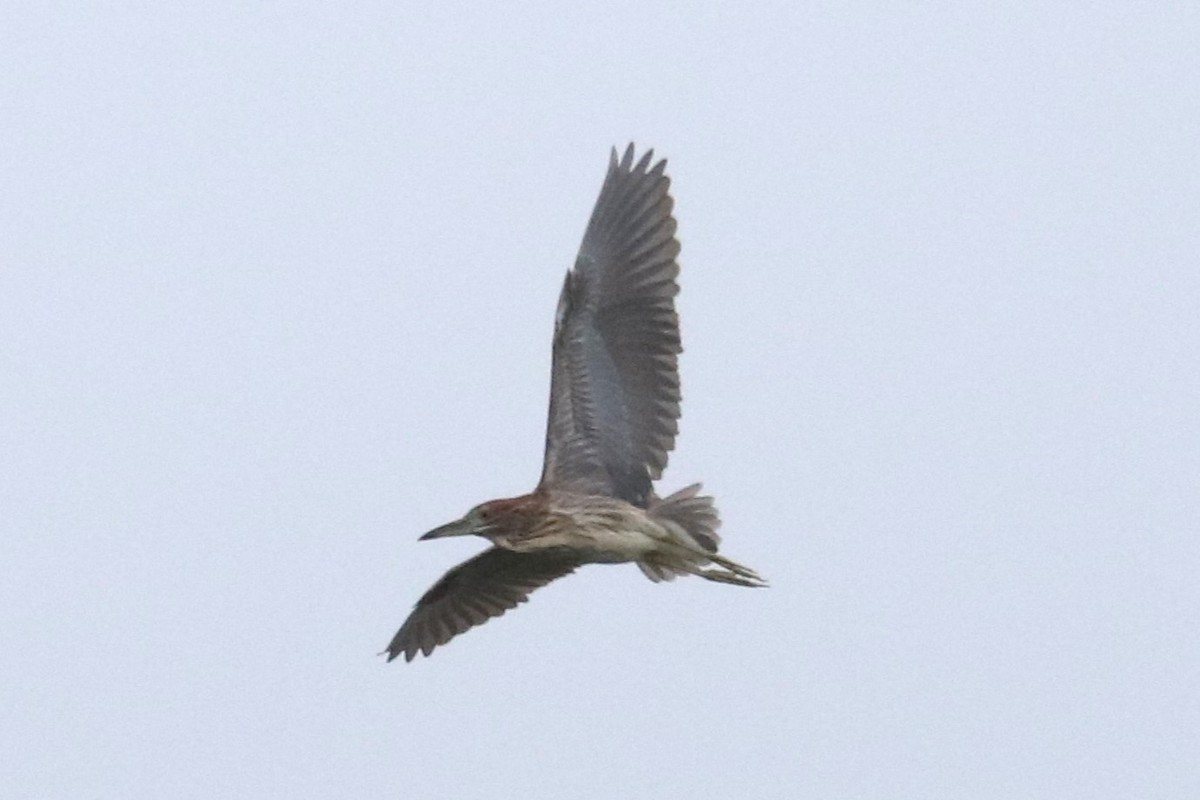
point(277, 284)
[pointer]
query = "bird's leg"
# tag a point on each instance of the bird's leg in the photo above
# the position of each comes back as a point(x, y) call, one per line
point(688, 559)
point(736, 568)
point(721, 576)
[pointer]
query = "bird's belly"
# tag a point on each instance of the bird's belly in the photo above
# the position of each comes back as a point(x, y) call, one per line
point(592, 545)
point(616, 547)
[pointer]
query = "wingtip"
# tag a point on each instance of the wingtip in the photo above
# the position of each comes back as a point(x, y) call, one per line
point(392, 655)
point(644, 161)
point(645, 165)
point(627, 159)
point(397, 648)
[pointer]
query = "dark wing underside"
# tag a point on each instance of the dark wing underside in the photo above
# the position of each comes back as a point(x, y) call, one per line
point(472, 593)
point(614, 393)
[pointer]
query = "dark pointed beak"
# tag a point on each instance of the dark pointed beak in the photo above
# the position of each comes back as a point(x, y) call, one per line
point(460, 527)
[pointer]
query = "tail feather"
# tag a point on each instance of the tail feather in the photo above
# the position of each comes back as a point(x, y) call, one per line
point(656, 572)
point(695, 515)
point(692, 511)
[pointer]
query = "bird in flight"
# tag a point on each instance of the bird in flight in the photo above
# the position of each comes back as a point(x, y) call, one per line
point(614, 411)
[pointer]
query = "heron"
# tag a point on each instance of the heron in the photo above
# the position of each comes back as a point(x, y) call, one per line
point(614, 412)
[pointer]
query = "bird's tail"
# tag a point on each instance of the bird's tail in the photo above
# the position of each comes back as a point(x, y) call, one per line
point(694, 512)
point(696, 515)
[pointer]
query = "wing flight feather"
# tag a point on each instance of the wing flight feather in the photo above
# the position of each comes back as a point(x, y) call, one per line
point(614, 395)
point(473, 592)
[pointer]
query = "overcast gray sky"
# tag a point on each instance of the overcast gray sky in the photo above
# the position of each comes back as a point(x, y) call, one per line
point(276, 293)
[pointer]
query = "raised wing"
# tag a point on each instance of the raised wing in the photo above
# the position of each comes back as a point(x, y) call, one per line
point(614, 392)
point(472, 593)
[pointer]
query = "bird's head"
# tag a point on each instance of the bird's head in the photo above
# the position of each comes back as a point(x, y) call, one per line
point(481, 520)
